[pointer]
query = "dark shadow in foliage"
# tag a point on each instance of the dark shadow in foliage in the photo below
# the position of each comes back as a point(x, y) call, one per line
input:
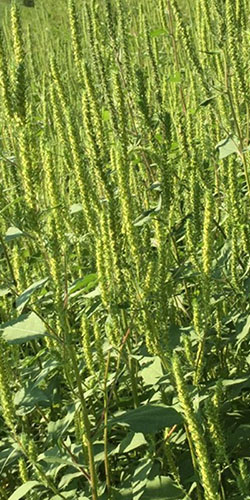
point(29, 3)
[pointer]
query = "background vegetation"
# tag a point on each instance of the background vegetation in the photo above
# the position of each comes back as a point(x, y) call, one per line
point(124, 250)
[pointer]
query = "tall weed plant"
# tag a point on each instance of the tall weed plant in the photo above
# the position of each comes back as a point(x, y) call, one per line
point(124, 250)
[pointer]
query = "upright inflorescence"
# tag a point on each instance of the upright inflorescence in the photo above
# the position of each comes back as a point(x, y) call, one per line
point(208, 477)
point(6, 393)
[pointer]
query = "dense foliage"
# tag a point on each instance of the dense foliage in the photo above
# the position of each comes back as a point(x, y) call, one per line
point(124, 250)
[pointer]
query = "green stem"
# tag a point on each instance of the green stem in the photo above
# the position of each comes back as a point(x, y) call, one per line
point(132, 371)
point(131, 364)
point(105, 434)
point(92, 470)
point(194, 461)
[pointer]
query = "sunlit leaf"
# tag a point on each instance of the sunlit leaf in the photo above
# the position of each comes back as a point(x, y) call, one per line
point(24, 489)
point(227, 146)
point(22, 300)
point(23, 329)
point(149, 419)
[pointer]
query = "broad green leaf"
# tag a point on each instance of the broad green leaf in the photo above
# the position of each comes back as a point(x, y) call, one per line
point(149, 419)
point(244, 332)
point(24, 489)
point(48, 366)
point(23, 329)
point(151, 371)
point(13, 233)
point(132, 441)
point(236, 385)
point(162, 488)
point(54, 459)
point(25, 296)
point(28, 397)
point(227, 146)
point(140, 477)
point(58, 428)
point(67, 478)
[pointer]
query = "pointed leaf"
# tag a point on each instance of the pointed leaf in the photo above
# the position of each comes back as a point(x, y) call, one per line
point(227, 146)
point(23, 329)
point(25, 296)
point(146, 215)
point(149, 418)
point(162, 488)
point(24, 489)
point(132, 441)
point(208, 100)
point(75, 208)
point(244, 332)
point(12, 233)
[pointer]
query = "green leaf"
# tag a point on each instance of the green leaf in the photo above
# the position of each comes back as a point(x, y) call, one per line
point(244, 332)
point(156, 186)
point(83, 283)
point(24, 489)
point(4, 291)
point(149, 419)
point(95, 293)
point(54, 459)
point(105, 115)
point(157, 32)
point(23, 329)
point(67, 478)
point(146, 215)
point(13, 233)
point(25, 296)
point(140, 477)
point(175, 78)
point(58, 428)
point(66, 494)
point(227, 146)
point(132, 441)
point(28, 397)
point(75, 208)
point(151, 371)
point(208, 100)
point(162, 488)
point(235, 386)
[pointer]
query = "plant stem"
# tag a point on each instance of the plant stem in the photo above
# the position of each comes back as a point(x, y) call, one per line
point(105, 434)
point(92, 470)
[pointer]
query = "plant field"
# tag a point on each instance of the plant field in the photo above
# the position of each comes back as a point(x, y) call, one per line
point(124, 250)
